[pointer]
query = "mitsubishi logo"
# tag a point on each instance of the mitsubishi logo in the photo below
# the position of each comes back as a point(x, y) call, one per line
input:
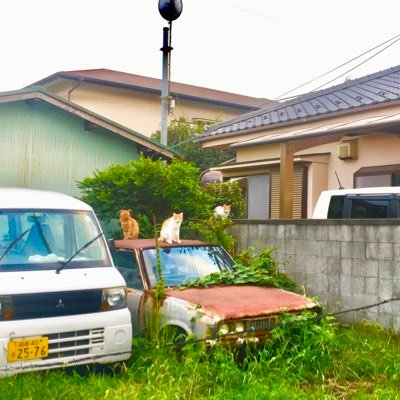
point(60, 304)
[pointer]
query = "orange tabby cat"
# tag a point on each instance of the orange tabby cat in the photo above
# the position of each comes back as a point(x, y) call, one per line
point(130, 227)
point(170, 228)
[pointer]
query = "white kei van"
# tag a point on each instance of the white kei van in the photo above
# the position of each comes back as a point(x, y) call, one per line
point(62, 301)
point(374, 202)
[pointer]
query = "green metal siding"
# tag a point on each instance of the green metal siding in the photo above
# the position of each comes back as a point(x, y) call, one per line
point(45, 147)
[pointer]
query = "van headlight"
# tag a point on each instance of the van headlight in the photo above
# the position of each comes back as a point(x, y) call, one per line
point(113, 299)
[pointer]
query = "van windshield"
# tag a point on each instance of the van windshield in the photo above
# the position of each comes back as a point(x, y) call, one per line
point(45, 239)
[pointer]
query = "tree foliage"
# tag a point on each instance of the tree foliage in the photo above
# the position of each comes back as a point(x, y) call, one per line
point(148, 188)
point(181, 137)
point(227, 193)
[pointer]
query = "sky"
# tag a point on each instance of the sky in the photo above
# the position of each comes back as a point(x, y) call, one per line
point(256, 48)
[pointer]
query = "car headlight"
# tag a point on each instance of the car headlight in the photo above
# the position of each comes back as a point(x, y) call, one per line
point(223, 329)
point(6, 308)
point(239, 327)
point(113, 299)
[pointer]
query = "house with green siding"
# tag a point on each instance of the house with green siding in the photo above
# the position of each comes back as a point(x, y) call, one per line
point(50, 143)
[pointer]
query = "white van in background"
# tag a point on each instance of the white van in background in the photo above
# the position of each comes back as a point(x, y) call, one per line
point(62, 301)
point(375, 202)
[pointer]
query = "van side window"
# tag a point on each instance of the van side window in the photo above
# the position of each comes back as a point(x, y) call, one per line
point(369, 208)
point(336, 207)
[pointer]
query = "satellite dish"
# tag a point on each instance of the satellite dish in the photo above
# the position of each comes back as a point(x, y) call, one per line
point(170, 9)
point(211, 177)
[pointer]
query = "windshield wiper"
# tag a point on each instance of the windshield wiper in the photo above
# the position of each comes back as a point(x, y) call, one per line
point(86, 245)
point(14, 242)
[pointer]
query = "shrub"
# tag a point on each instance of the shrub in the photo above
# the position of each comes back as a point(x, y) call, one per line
point(256, 269)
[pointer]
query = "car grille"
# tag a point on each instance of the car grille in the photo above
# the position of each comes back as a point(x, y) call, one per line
point(74, 343)
point(256, 325)
point(56, 304)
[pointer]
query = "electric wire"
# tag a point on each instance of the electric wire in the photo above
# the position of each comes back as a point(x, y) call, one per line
point(391, 42)
point(363, 62)
point(394, 39)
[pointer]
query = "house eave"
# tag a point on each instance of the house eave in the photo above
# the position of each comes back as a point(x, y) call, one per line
point(297, 122)
point(149, 90)
point(37, 93)
point(358, 127)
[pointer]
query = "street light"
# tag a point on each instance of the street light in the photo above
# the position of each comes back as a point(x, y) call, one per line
point(170, 10)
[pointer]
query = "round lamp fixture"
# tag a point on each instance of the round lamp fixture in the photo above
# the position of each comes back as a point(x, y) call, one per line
point(170, 9)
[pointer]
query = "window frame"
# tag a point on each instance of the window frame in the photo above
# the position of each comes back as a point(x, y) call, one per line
point(391, 170)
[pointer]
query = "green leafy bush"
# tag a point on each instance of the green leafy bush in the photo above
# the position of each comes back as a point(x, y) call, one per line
point(251, 268)
point(227, 193)
point(147, 188)
point(153, 188)
point(215, 231)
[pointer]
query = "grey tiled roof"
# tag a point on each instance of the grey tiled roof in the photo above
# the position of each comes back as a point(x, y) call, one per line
point(380, 87)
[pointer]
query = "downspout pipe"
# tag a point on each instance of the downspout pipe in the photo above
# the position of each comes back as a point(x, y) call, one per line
point(71, 90)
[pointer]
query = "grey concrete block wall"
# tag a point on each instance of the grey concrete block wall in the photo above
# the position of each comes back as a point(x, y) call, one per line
point(347, 264)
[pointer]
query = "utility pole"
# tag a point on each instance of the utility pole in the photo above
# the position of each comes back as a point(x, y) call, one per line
point(170, 10)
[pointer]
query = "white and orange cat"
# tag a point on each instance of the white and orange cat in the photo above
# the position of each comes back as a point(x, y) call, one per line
point(222, 212)
point(129, 225)
point(170, 229)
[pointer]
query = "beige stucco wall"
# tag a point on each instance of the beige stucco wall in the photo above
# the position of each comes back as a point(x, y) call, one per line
point(373, 150)
point(263, 152)
point(317, 181)
point(134, 109)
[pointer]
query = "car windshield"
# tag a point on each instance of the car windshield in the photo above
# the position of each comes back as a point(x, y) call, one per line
point(46, 239)
point(181, 264)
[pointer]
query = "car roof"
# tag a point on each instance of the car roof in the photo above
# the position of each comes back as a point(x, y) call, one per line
point(151, 243)
point(364, 191)
point(21, 198)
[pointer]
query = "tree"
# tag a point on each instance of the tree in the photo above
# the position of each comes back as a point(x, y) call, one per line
point(150, 188)
point(181, 137)
point(146, 187)
point(227, 193)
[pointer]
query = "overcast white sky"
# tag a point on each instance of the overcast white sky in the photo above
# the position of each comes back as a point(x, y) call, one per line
point(258, 48)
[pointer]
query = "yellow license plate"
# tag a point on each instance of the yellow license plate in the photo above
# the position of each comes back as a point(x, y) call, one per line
point(27, 349)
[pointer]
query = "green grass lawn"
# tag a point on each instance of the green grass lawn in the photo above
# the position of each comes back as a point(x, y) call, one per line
point(303, 360)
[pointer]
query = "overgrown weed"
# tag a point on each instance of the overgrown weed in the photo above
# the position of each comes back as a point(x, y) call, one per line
point(302, 360)
point(302, 345)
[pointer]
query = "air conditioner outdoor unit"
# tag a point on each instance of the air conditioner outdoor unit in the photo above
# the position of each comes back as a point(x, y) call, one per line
point(347, 150)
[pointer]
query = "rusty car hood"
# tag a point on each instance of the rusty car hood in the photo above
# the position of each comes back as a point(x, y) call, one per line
point(233, 302)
